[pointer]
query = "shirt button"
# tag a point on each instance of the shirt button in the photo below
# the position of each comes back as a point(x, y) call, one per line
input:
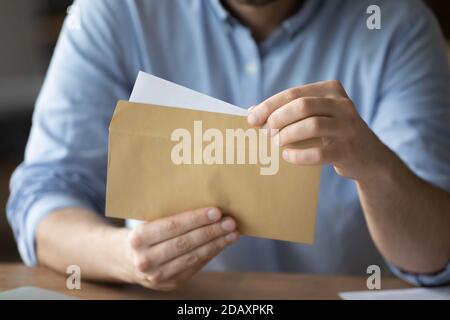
point(251, 68)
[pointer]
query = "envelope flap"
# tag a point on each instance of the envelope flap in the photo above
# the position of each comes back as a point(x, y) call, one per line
point(137, 118)
point(161, 121)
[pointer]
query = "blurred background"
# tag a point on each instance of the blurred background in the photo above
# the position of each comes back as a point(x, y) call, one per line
point(28, 32)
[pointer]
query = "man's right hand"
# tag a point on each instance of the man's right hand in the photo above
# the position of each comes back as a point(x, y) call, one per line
point(165, 253)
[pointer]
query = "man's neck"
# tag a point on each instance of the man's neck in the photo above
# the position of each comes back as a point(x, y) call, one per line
point(263, 19)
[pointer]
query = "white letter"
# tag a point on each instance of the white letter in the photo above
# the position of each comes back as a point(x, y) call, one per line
point(74, 280)
point(374, 280)
point(215, 147)
point(273, 160)
point(374, 20)
point(181, 152)
point(198, 142)
point(241, 137)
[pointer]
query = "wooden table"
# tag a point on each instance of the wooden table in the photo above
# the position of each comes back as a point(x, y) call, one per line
point(206, 285)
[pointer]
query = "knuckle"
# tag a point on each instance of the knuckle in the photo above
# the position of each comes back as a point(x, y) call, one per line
point(211, 232)
point(291, 94)
point(337, 88)
point(137, 236)
point(191, 260)
point(155, 277)
point(141, 262)
point(288, 135)
point(335, 84)
point(315, 124)
point(265, 108)
point(172, 225)
point(272, 121)
point(349, 106)
point(345, 101)
point(182, 243)
point(135, 239)
point(302, 106)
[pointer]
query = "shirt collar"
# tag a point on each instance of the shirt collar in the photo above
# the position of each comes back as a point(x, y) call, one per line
point(219, 10)
point(290, 25)
point(294, 23)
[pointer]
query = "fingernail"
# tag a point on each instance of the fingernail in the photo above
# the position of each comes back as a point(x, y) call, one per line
point(228, 225)
point(231, 237)
point(213, 214)
point(285, 155)
point(252, 119)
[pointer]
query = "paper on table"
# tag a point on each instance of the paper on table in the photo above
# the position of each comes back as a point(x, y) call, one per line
point(33, 293)
point(400, 294)
point(153, 90)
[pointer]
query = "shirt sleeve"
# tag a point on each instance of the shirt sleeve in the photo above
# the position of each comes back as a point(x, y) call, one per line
point(413, 115)
point(66, 154)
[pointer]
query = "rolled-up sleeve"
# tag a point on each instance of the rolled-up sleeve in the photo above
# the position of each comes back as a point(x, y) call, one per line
point(438, 279)
point(413, 116)
point(66, 154)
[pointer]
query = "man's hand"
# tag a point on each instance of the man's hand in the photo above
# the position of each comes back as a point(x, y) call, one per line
point(322, 110)
point(415, 220)
point(165, 253)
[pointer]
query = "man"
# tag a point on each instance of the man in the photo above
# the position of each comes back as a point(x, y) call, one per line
point(379, 99)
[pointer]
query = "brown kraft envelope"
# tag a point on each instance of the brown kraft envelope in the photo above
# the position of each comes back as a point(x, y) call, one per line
point(143, 183)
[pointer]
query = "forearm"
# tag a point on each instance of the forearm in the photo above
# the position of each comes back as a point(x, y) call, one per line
point(408, 218)
point(78, 236)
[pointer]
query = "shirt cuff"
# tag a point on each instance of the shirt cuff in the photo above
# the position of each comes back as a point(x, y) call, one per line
point(423, 280)
point(37, 212)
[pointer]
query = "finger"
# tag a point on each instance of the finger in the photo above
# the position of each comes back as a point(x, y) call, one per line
point(300, 109)
point(331, 89)
point(170, 249)
point(166, 228)
point(308, 128)
point(196, 257)
point(310, 156)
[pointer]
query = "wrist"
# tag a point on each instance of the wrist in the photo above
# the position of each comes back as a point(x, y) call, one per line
point(119, 265)
point(383, 171)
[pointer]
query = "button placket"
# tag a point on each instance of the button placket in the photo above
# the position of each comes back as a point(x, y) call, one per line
point(250, 80)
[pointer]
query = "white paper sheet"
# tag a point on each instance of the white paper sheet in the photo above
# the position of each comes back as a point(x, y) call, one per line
point(441, 293)
point(32, 293)
point(153, 90)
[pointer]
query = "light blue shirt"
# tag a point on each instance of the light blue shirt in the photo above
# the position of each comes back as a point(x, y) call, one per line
point(398, 78)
